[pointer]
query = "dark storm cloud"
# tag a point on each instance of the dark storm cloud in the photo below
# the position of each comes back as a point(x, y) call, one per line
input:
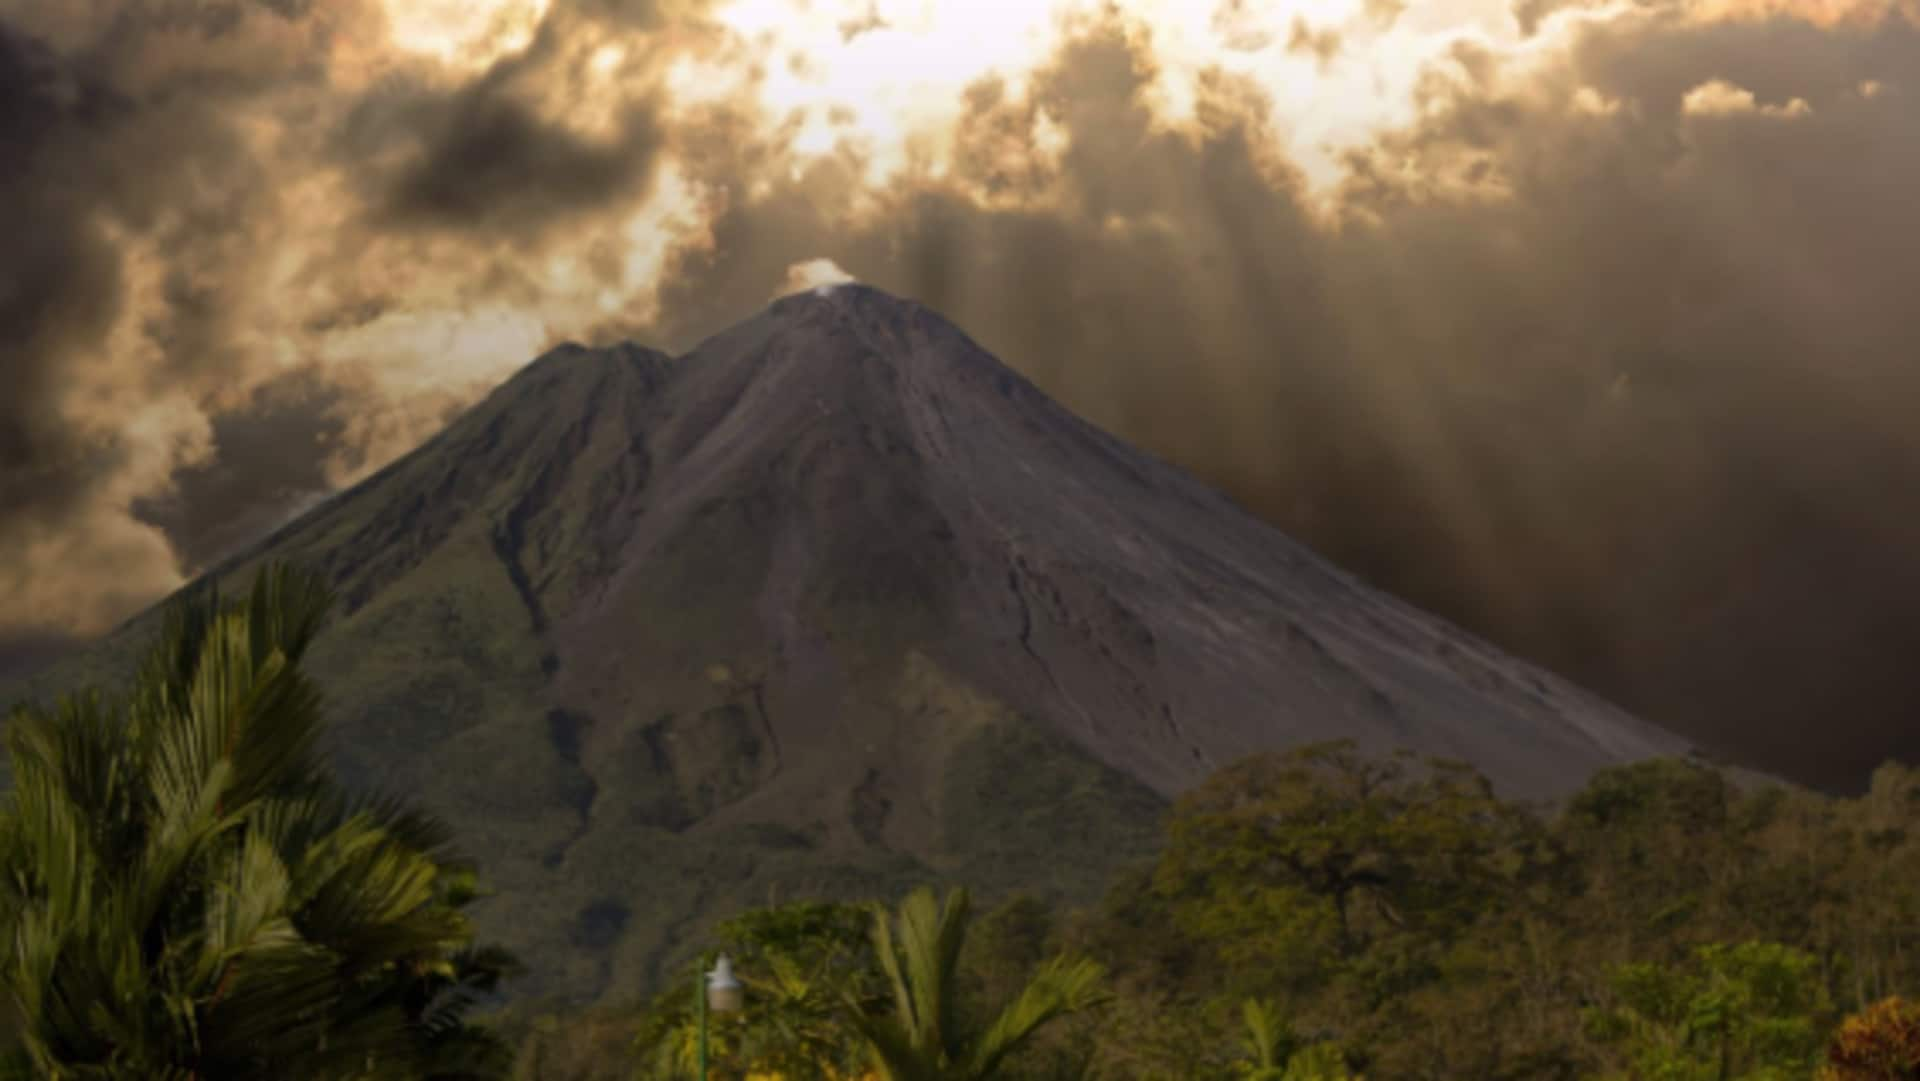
point(1695, 328)
point(152, 279)
point(480, 156)
point(1638, 409)
point(59, 278)
point(270, 461)
point(82, 152)
point(492, 164)
point(118, 140)
point(1652, 390)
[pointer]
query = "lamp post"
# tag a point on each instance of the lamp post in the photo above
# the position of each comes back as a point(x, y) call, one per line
point(716, 992)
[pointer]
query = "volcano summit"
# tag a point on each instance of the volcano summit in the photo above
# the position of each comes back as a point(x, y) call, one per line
point(834, 602)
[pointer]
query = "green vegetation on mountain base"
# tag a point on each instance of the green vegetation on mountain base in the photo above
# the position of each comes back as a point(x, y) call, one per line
point(188, 892)
point(1321, 914)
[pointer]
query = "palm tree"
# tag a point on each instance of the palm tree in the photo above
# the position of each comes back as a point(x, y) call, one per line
point(186, 893)
point(1269, 1038)
point(923, 1038)
point(1278, 1054)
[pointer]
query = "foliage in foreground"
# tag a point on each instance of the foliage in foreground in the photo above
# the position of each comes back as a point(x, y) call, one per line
point(1392, 918)
point(844, 991)
point(924, 1036)
point(799, 963)
point(189, 894)
point(1748, 1011)
point(1882, 1043)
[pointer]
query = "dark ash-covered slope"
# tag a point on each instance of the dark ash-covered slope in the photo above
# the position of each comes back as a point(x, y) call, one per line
point(835, 602)
point(893, 468)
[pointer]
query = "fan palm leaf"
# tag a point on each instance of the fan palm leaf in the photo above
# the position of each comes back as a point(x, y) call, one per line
point(921, 1039)
point(186, 893)
point(1061, 986)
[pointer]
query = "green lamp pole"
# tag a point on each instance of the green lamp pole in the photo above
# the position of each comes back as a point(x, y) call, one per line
point(716, 992)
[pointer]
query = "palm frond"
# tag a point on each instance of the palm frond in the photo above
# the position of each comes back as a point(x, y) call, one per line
point(285, 609)
point(170, 663)
point(928, 945)
point(892, 1046)
point(188, 894)
point(1061, 986)
point(1269, 1039)
point(904, 1006)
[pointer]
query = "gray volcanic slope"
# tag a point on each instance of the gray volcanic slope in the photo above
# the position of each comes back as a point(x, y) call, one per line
point(833, 603)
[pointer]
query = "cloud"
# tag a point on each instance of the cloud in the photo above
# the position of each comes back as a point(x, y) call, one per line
point(273, 449)
point(1383, 13)
point(210, 202)
point(1718, 97)
point(1322, 44)
point(1530, 14)
point(1607, 384)
point(811, 274)
point(59, 280)
point(481, 156)
point(492, 164)
point(1589, 101)
point(865, 23)
point(628, 14)
point(87, 188)
point(1729, 275)
point(1583, 324)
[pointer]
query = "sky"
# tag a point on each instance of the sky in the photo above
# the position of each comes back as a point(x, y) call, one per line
point(1589, 324)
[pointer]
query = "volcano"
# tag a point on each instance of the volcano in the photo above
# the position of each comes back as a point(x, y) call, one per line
point(834, 603)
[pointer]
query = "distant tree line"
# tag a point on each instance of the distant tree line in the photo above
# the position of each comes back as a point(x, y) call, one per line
point(188, 893)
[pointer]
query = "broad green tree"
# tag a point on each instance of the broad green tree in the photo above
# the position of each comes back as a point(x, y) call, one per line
point(186, 893)
point(1360, 892)
point(1747, 1012)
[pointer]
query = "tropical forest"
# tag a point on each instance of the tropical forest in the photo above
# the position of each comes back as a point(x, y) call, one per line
point(190, 893)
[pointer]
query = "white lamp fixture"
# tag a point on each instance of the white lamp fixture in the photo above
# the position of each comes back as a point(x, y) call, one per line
point(724, 994)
